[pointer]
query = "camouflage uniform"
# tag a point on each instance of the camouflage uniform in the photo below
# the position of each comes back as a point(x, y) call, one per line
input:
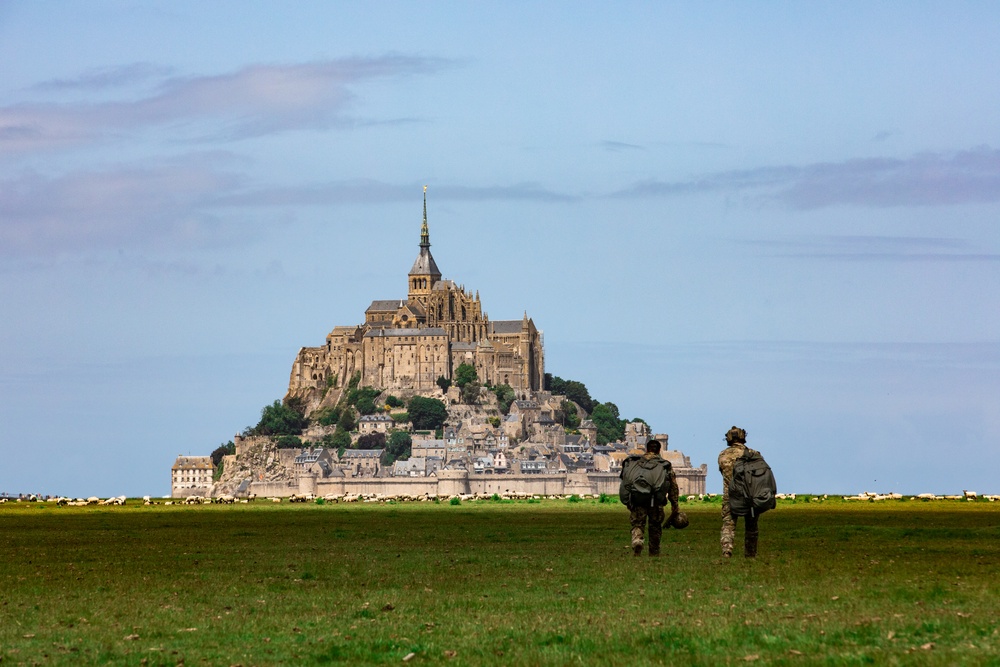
point(638, 516)
point(727, 458)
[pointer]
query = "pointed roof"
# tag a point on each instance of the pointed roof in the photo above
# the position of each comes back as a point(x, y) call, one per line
point(425, 264)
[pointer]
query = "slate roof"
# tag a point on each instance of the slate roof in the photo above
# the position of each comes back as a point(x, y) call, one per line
point(383, 306)
point(425, 264)
point(426, 331)
point(192, 463)
point(362, 454)
point(505, 326)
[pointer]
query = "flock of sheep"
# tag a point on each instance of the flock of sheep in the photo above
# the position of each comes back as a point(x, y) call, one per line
point(867, 496)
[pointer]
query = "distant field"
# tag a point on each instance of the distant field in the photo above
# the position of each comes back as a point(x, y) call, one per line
point(543, 583)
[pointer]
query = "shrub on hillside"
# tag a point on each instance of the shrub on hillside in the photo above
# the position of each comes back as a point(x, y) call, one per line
point(280, 419)
point(427, 413)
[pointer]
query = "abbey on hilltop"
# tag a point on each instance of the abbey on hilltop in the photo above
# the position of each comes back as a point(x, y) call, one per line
point(407, 344)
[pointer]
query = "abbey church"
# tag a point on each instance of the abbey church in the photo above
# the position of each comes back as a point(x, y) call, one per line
point(407, 344)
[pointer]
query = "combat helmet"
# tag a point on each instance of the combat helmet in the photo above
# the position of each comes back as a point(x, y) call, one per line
point(679, 521)
point(736, 435)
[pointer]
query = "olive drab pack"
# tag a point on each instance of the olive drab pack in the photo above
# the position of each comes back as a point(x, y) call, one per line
point(645, 481)
point(752, 489)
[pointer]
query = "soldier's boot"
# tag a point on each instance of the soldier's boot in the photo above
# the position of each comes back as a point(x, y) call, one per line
point(637, 541)
point(750, 544)
point(654, 551)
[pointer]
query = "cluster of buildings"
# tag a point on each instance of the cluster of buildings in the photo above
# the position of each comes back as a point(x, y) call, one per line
point(406, 347)
point(529, 442)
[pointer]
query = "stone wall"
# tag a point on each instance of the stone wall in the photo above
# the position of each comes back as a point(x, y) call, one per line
point(456, 482)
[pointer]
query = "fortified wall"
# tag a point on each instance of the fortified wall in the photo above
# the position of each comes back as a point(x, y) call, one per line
point(445, 483)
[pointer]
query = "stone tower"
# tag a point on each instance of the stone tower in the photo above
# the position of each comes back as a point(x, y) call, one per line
point(425, 272)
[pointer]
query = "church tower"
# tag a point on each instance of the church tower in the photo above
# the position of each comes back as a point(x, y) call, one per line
point(425, 272)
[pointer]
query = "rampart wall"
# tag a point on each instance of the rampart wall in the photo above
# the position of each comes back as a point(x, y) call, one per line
point(456, 482)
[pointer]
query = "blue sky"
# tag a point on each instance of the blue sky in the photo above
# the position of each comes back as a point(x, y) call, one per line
point(777, 215)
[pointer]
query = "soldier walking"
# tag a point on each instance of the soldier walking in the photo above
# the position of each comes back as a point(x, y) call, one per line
point(648, 483)
point(736, 445)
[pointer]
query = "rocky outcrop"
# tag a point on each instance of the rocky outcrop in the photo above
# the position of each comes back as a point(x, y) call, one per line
point(257, 459)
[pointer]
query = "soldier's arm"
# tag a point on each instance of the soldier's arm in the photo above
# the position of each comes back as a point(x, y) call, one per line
point(673, 495)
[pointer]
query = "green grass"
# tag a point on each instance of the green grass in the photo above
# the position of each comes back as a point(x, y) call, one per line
point(542, 583)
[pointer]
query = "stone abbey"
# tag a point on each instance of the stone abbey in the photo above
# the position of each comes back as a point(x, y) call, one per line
point(407, 344)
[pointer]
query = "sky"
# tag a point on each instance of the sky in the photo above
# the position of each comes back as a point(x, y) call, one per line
point(781, 216)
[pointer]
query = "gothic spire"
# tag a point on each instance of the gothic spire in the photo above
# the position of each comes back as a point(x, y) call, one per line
point(425, 235)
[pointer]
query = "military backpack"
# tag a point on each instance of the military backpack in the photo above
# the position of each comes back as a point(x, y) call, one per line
point(752, 489)
point(645, 481)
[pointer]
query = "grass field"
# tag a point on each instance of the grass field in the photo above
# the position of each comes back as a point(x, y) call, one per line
point(549, 583)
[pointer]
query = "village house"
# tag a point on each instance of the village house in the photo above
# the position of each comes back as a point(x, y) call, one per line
point(191, 476)
point(378, 423)
point(362, 462)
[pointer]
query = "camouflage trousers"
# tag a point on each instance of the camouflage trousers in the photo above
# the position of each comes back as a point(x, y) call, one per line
point(729, 532)
point(638, 516)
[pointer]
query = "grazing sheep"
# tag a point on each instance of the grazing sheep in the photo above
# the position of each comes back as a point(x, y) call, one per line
point(970, 495)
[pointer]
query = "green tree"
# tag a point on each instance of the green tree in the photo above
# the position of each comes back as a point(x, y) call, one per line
point(464, 374)
point(366, 405)
point(610, 427)
point(398, 446)
point(217, 454)
point(505, 396)
point(347, 422)
point(427, 413)
point(393, 402)
point(470, 393)
point(371, 441)
point(363, 395)
point(222, 450)
point(577, 392)
point(340, 440)
point(288, 442)
point(444, 383)
point(280, 419)
point(328, 416)
point(572, 419)
point(572, 389)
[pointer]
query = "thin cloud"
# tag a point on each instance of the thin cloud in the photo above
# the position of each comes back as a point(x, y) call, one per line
point(618, 146)
point(253, 101)
point(364, 191)
point(928, 179)
point(879, 248)
point(125, 206)
point(186, 201)
point(104, 78)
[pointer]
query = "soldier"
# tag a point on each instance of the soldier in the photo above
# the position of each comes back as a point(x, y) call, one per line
point(736, 444)
point(652, 511)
